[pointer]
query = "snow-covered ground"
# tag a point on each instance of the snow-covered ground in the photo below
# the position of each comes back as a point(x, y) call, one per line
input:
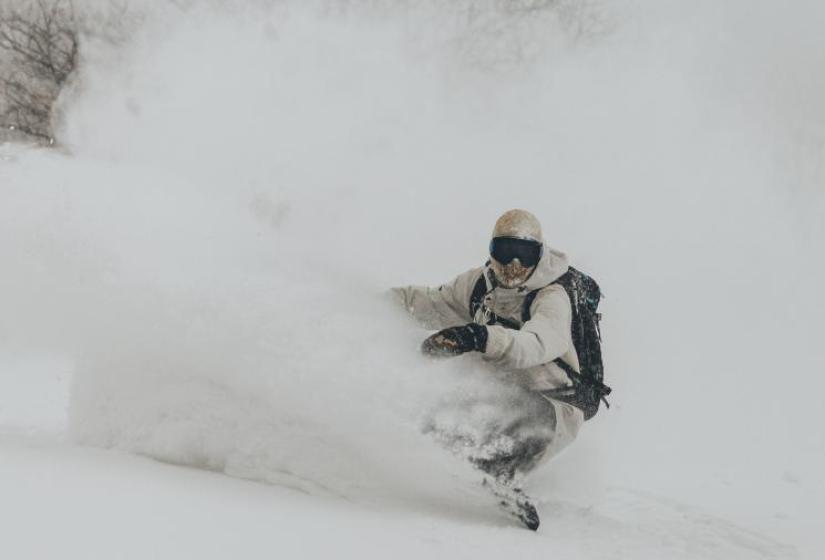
point(85, 503)
point(198, 357)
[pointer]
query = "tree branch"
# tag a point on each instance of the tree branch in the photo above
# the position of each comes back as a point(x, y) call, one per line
point(41, 40)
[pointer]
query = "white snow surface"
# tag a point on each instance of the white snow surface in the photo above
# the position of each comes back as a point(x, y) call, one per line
point(199, 276)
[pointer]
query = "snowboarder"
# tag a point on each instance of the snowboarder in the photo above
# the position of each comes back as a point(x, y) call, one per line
point(512, 314)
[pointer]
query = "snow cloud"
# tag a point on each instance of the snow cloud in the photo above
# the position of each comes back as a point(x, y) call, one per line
point(243, 186)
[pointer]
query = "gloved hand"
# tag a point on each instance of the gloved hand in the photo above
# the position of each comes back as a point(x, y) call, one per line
point(456, 340)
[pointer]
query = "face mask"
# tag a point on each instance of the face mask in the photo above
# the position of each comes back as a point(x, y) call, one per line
point(511, 275)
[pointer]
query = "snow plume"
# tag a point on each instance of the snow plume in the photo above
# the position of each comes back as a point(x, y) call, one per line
point(219, 248)
point(203, 336)
point(243, 187)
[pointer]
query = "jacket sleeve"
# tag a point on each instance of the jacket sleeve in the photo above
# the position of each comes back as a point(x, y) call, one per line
point(440, 307)
point(542, 339)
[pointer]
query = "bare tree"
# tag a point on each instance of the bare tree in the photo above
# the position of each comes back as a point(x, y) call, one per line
point(39, 41)
point(494, 35)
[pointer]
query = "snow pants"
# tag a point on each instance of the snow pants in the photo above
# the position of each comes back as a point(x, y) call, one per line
point(506, 438)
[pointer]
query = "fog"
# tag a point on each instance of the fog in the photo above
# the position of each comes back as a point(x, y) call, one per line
point(210, 251)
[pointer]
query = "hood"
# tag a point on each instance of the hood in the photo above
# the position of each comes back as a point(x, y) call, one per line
point(552, 265)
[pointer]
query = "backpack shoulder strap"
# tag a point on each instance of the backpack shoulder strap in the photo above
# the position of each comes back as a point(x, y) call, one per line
point(480, 291)
point(528, 303)
point(477, 295)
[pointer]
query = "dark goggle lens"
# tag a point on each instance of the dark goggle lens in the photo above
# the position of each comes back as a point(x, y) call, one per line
point(505, 249)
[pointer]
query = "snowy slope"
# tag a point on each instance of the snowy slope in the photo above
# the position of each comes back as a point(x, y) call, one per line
point(83, 503)
point(199, 277)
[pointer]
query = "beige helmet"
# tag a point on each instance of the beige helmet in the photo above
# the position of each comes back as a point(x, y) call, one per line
point(516, 247)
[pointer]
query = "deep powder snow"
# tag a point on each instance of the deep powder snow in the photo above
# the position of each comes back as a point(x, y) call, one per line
point(208, 260)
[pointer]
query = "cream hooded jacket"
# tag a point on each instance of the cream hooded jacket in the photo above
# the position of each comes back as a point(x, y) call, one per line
point(527, 354)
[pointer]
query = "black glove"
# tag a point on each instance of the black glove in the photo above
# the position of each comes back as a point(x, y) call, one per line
point(456, 340)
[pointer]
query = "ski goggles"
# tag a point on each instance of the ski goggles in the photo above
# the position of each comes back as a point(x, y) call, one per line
point(505, 249)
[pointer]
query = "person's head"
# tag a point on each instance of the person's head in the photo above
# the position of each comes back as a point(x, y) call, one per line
point(516, 247)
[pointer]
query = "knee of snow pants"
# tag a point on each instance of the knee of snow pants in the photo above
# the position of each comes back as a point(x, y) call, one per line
point(569, 420)
point(546, 427)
